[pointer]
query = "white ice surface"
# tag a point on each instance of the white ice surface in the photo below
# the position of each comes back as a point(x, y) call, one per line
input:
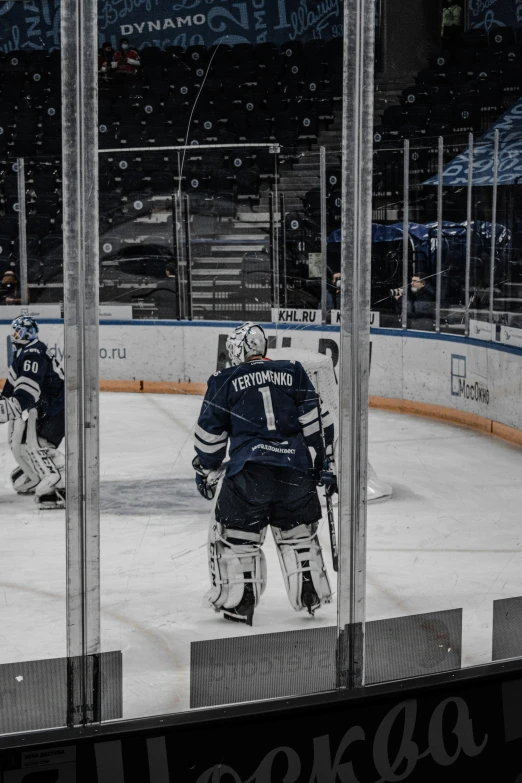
point(449, 538)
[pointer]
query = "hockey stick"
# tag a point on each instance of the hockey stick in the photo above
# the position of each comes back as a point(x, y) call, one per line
point(331, 528)
point(329, 505)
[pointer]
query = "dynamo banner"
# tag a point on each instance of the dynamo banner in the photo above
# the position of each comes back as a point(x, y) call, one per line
point(35, 24)
point(488, 14)
point(510, 155)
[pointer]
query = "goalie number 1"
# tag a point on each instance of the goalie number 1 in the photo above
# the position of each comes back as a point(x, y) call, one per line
point(269, 410)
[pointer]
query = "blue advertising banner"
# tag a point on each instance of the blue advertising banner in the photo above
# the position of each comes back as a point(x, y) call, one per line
point(509, 155)
point(35, 24)
point(495, 13)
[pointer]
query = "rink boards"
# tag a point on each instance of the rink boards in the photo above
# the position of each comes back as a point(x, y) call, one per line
point(460, 726)
point(475, 382)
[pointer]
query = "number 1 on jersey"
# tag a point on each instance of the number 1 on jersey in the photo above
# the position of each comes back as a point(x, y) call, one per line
point(269, 410)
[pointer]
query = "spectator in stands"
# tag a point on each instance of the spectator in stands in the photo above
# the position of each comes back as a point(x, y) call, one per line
point(105, 56)
point(452, 20)
point(9, 292)
point(421, 299)
point(126, 60)
point(166, 294)
point(333, 292)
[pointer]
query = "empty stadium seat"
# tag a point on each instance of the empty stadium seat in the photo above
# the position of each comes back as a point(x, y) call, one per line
point(499, 37)
point(6, 247)
point(38, 225)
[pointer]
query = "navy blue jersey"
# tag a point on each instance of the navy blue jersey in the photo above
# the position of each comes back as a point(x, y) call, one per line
point(268, 410)
point(36, 380)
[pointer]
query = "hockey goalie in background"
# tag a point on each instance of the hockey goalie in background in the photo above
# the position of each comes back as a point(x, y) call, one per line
point(33, 404)
point(280, 442)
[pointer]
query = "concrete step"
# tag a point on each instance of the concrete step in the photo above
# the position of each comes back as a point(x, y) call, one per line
point(251, 248)
point(205, 272)
point(299, 178)
point(243, 233)
point(216, 282)
point(291, 190)
point(261, 216)
point(332, 161)
point(224, 263)
point(246, 225)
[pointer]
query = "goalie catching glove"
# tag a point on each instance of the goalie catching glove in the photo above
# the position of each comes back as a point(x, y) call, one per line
point(9, 409)
point(206, 479)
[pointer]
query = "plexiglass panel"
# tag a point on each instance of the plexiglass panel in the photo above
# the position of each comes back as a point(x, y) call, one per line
point(32, 445)
point(441, 571)
point(220, 227)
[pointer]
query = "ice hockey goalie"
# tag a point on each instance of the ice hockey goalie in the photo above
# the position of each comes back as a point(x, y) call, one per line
point(270, 416)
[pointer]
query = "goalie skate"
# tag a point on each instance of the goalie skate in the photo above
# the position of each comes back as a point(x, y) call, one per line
point(53, 499)
point(244, 611)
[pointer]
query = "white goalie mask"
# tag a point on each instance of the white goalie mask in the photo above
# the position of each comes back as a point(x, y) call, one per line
point(246, 341)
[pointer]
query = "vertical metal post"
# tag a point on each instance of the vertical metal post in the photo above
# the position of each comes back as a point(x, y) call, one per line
point(469, 215)
point(438, 279)
point(357, 123)
point(276, 226)
point(274, 277)
point(79, 44)
point(493, 224)
point(324, 248)
point(22, 230)
point(282, 255)
point(405, 233)
point(177, 250)
point(188, 257)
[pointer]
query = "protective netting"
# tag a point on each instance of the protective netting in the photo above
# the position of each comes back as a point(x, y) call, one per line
point(319, 368)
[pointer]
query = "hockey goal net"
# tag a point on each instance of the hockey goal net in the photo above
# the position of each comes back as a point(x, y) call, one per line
point(320, 370)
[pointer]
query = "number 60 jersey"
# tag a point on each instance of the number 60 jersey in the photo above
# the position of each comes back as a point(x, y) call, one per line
point(270, 412)
point(36, 379)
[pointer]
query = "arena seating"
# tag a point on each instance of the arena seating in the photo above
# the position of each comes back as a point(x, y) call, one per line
point(232, 95)
point(465, 88)
point(244, 94)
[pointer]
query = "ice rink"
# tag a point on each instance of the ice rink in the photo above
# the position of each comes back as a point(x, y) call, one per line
point(449, 538)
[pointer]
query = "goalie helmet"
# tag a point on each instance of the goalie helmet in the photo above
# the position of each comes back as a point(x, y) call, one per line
point(24, 330)
point(246, 341)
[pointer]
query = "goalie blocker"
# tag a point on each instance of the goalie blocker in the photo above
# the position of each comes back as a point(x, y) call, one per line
point(269, 412)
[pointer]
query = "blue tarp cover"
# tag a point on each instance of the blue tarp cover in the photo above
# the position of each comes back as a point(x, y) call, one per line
point(421, 232)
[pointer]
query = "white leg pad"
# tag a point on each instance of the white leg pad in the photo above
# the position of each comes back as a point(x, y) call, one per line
point(300, 552)
point(22, 483)
point(230, 562)
point(17, 433)
point(42, 466)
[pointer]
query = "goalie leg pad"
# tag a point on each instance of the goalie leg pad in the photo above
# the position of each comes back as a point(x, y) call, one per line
point(235, 560)
point(49, 464)
point(302, 564)
point(17, 442)
point(22, 483)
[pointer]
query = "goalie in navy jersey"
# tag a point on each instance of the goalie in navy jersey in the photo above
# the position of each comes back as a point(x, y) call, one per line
point(269, 414)
point(33, 404)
